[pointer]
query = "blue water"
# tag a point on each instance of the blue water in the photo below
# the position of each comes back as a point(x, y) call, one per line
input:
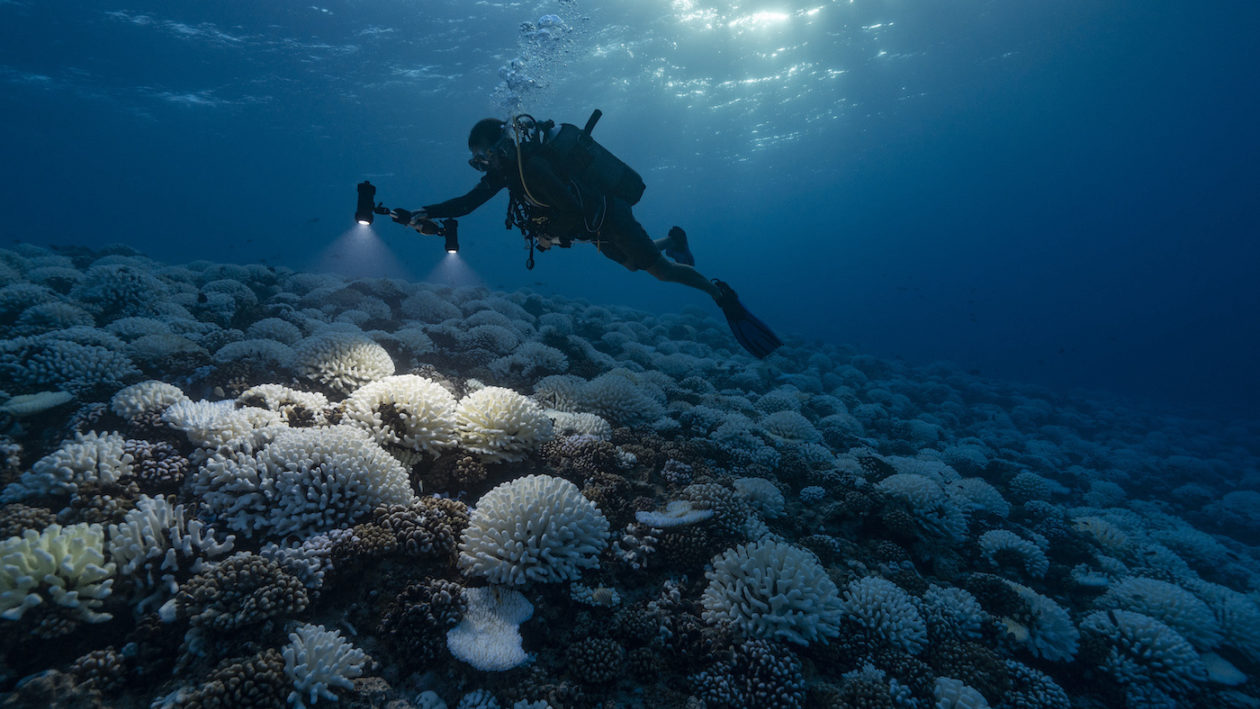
point(1053, 192)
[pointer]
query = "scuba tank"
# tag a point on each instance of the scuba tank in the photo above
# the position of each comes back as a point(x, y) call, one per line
point(575, 153)
point(587, 165)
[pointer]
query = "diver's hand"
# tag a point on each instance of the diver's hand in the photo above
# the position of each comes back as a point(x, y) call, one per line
point(402, 216)
point(418, 219)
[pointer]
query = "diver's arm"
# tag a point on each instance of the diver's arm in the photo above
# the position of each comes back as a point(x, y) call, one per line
point(488, 187)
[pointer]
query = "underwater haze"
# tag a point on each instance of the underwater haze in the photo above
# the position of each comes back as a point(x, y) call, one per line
point(256, 452)
point(1053, 192)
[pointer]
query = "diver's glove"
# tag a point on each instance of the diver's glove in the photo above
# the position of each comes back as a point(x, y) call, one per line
point(418, 220)
point(408, 217)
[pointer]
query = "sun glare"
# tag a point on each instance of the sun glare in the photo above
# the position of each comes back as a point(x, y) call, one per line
point(758, 20)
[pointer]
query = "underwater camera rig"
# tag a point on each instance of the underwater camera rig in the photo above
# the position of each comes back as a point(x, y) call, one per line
point(367, 209)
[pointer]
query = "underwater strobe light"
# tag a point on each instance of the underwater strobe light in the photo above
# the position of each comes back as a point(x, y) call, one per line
point(450, 230)
point(367, 210)
point(364, 213)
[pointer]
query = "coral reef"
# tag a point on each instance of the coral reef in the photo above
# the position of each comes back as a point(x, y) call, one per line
point(234, 485)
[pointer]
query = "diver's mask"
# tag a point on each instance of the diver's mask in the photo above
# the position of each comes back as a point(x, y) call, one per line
point(480, 160)
point(485, 158)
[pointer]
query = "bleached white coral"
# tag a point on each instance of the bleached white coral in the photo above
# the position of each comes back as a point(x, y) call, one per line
point(531, 359)
point(281, 331)
point(156, 350)
point(1111, 538)
point(763, 495)
point(924, 466)
point(739, 438)
point(55, 361)
point(977, 495)
point(55, 315)
point(500, 425)
point(1167, 603)
point(155, 542)
point(678, 513)
point(1237, 615)
point(569, 424)
point(998, 544)
point(494, 338)
point(887, 612)
point(1028, 485)
point(535, 528)
point(310, 560)
point(956, 607)
point(1049, 632)
point(1144, 651)
point(489, 636)
point(953, 694)
point(621, 396)
point(210, 424)
point(112, 290)
point(147, 396)
point(770, 589)
point(931, 507)
point(407, 414)
point(62, 566)
point(785, 398)
point(91, 457)
point(304, 481)
point(429, 307)
point(318, 660)
point(296, 408)
point(790, 425)
point(343, 361)
point(259, 352)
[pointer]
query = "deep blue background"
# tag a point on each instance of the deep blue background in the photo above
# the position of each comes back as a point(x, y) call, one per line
point(1056, 192)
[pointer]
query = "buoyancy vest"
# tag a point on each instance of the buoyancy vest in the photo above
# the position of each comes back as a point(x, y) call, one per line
point(582, 159)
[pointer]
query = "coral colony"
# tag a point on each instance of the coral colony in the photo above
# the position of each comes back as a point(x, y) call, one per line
point(244, 486)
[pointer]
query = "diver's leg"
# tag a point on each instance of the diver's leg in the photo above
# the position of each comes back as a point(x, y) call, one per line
point(675, 246)
point(630, 245)
point(664, 270)
point(624, 240)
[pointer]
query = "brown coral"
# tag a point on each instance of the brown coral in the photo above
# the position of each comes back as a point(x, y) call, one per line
point(103, 670)
point(257, 681)
point(15, 517)
point(242, 590)
point(415, 623)
point(158, 467)
point(595, 660)
point(428, 526)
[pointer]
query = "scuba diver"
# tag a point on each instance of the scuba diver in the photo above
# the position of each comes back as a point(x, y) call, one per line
point(566, 187)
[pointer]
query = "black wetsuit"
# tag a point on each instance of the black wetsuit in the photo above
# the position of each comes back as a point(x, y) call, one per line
point(572, 212)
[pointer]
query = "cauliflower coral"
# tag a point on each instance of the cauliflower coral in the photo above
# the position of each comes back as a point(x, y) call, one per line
point(500, 425)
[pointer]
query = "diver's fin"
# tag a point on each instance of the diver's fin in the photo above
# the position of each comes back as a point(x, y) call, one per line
point(678, 249)
point(752, 334)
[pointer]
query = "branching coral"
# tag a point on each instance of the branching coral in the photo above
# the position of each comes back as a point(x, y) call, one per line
point(536, 528)
point(499, 425)
point(410, 416)
point(886, 612)
point(342, 361)
point(772, 590)
point(62, 571)
point(305, 480)
point(318, 660)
